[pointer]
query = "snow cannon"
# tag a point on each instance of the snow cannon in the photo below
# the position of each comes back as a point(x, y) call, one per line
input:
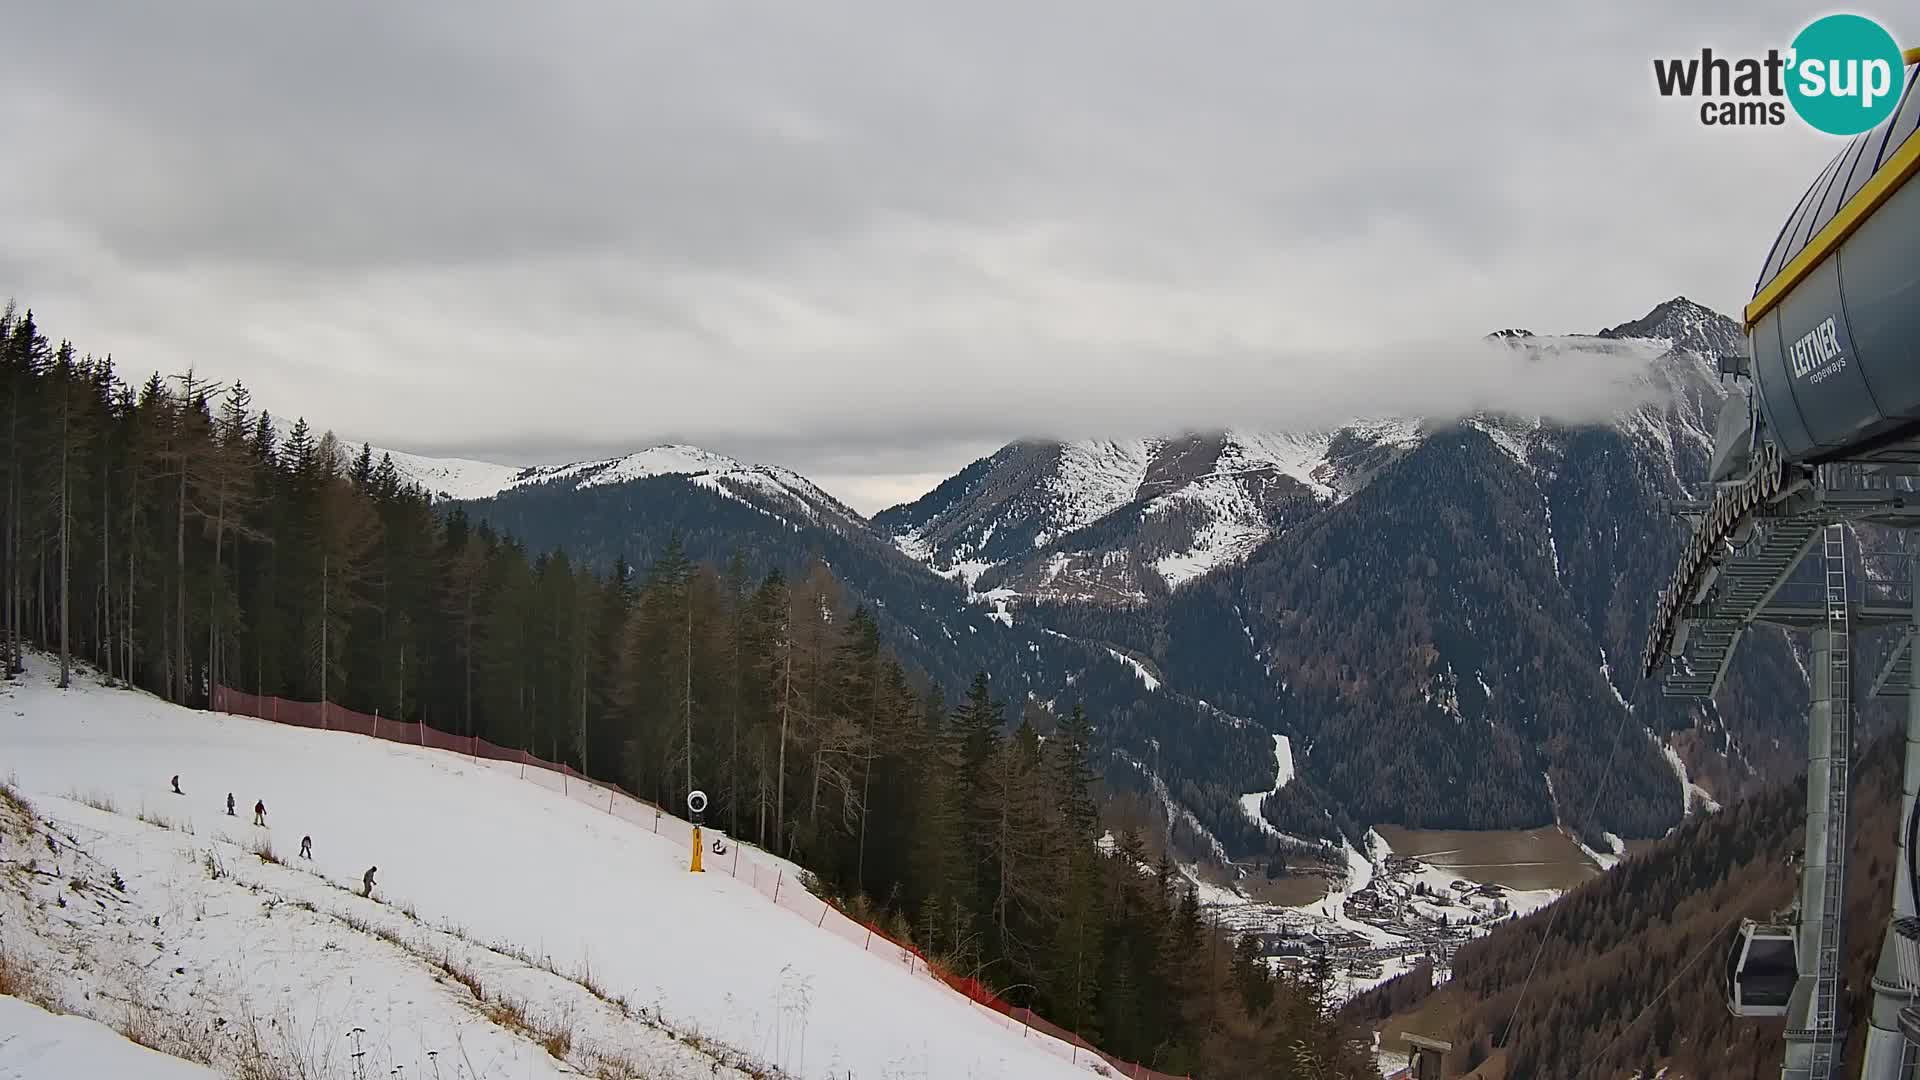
point(1833, 330)
point(696, 806)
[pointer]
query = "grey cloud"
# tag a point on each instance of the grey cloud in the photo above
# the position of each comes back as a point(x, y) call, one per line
point(864, 239)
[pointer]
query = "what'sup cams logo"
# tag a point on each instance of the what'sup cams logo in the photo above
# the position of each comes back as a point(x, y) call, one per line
point(1842, 75)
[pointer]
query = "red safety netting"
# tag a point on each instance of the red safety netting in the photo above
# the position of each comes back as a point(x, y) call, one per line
point(334, 718)
point(772, 877)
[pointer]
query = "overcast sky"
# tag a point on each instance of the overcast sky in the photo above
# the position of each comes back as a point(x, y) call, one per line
point(867, 240)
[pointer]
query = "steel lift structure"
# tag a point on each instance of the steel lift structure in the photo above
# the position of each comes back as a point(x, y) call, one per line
point(1820, 436)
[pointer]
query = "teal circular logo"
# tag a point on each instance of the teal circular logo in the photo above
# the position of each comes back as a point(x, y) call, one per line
point(1845, 74)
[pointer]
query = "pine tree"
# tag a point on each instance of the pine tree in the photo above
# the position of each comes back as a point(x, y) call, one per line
point(942, 871)
point(225, 486)
point(349, 533)
point(737, 614)
point(27, 354)
point(73, 432)
point(465, 552)
point(187, 459)
point(1071, 754)
point(613, 609)
point(817, 719)
point(1022, 845)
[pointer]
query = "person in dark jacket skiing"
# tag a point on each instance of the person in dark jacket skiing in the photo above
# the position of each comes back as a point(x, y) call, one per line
point(230, 804)
point(306, 847)
point(176, 785)
point(260, 812)
point(366, 883)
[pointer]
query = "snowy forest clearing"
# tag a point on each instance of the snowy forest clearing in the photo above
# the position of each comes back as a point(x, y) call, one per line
point(560, 913)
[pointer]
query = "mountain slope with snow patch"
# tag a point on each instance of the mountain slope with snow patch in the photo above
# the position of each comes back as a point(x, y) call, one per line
point(1127, 521)
point(453, 478)
point(770, 488)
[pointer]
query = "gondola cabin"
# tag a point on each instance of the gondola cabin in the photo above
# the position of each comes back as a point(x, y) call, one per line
point(1761, 970)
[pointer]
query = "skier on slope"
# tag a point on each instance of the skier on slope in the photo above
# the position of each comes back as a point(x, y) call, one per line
point(306, 847)
point(260, 812)
point(176, 785)
point(230, 804)
point(366, 883)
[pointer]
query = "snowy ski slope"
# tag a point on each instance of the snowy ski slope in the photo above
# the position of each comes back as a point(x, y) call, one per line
point(470, 855)
point(35, 1044)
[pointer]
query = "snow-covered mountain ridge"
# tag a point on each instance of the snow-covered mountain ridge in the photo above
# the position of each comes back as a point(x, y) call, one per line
point(770, 487)
point(1121, 521)
point(1124, 522)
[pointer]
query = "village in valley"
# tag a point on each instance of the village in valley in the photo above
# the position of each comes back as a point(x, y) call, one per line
point(1388, 914)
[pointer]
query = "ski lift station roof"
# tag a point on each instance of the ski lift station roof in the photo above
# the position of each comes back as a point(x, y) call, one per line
point(1834, 326)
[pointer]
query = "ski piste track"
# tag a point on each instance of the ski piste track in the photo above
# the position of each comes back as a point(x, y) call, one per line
point(776, 879)
point(39, 1043)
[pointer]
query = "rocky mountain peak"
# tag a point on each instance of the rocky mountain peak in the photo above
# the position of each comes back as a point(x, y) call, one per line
point(1686, 326)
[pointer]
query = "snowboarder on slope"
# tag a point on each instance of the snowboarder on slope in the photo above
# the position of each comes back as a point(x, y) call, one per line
point(367, 882)
point(260, 812)
point(176, 785)
point(229, 804)
point(306, 847)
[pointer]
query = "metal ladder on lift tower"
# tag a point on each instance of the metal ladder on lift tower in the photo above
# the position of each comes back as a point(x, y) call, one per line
point(1826, 1003)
